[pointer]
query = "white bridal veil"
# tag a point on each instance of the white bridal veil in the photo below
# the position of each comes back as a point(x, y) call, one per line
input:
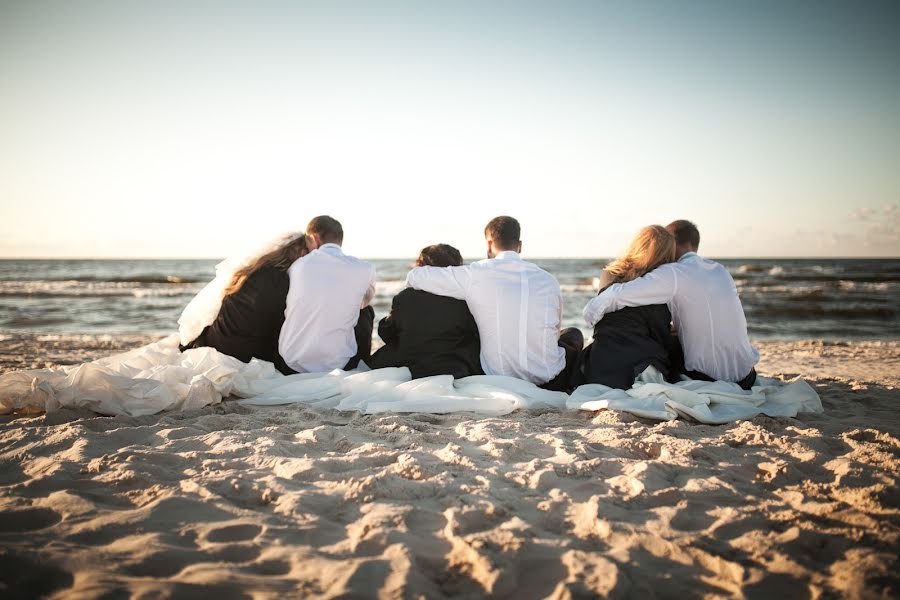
point(202, 310)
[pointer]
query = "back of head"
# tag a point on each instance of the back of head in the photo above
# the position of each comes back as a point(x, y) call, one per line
point(652, 247)
point(291, 248)
point(326, 229)
point(505, 233)
point(439, 255)
point(687, 236)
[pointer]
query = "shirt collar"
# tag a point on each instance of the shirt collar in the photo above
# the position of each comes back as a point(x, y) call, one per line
point(331, 248)
point(508, 255)
point(687, 255)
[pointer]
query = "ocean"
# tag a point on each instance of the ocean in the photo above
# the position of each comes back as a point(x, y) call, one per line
point(833, 299)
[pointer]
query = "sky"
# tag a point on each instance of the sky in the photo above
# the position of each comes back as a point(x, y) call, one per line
point(193, 129)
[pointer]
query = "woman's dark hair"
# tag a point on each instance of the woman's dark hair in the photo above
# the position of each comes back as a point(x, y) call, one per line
point(291, 248)
point(439, 255)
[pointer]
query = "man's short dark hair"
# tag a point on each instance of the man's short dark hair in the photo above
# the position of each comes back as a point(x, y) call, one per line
point(439, 255)
point(685, 232)
point(328, 229)
point(504, 231)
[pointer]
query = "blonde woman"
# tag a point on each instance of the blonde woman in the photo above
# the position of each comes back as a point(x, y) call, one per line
point(629, 340)
point(252, 312)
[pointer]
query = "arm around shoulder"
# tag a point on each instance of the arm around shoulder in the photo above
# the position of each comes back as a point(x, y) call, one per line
point(452, 282)
point(656, 287)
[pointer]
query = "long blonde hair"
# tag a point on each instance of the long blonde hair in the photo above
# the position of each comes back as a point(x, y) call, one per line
point(652, 247)
point(292, 247)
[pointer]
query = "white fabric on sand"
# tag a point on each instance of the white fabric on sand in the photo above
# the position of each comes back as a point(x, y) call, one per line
point(711, 402)
point(158, 377)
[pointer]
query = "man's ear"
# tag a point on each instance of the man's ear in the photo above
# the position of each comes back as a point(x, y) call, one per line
point(519, 248)
point(490, 244)
point(312, 242)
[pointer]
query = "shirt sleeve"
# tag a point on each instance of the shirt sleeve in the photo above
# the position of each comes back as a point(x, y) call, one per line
point(370, 292)
point(656, 287)
point(452, 282)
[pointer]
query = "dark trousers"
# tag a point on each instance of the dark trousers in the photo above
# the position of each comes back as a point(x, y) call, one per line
point(363, 334)
point(746, 383)
point(676, 356)
point(572, 341)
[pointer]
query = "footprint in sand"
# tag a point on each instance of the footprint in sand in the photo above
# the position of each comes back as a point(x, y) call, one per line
point(234, 533)
point(269, 567)
point(28, 519)
point(238, 553)
point(23, 577)
point(163, 564)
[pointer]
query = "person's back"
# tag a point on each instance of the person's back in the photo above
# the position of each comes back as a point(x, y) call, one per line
point(714, 339)
point(250, 320)
point(516, 305)
point(518, 308)
point(327, 290)
point(429, 334)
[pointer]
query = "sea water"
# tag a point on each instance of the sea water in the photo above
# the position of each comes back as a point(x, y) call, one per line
point(782, 298)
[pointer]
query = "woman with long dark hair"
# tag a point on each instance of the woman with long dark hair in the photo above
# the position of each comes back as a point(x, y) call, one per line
point(252, 312)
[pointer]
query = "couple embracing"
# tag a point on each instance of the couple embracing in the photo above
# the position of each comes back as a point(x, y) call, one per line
point(304, 316)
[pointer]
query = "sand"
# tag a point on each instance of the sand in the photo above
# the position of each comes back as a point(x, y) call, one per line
point(233, 502)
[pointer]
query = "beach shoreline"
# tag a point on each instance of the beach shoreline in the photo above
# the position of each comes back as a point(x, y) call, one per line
point(240, 501)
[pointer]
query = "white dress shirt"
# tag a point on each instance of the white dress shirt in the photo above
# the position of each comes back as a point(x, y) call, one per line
point(705, 308)
point(517, 307)
point(327, 291)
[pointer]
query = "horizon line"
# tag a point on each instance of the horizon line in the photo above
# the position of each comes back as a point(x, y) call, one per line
point(467, 258)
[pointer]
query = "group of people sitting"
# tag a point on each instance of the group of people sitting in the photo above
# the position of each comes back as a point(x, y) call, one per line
point(305, 307)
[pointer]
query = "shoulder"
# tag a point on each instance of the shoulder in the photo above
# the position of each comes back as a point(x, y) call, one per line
point(539, 274)
point(699, 264)
point(430, 269)
point(357, 265)
point(408, 294)
point(432, 304)
point(667, 270)
point(271, 277)
point(606, 279)
point(357, 262)
point(266, 275)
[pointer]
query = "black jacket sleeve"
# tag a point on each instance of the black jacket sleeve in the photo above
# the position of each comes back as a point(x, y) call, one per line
point(388, 327)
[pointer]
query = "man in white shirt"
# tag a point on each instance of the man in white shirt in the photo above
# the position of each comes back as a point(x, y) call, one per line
point(705, 307)
point(327, 320)
point(516, 305)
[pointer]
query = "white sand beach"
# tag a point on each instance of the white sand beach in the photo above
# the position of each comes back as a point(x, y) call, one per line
point(232, 501)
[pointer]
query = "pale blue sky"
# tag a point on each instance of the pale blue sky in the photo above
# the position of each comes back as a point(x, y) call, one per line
point(191, 129)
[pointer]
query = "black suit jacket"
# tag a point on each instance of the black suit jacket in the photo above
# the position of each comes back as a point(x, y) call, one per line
point(432, 335)
point(250, 320)
point(626, 342)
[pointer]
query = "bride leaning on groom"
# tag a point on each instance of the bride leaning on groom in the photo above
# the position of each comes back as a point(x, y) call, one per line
point(304, 305)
